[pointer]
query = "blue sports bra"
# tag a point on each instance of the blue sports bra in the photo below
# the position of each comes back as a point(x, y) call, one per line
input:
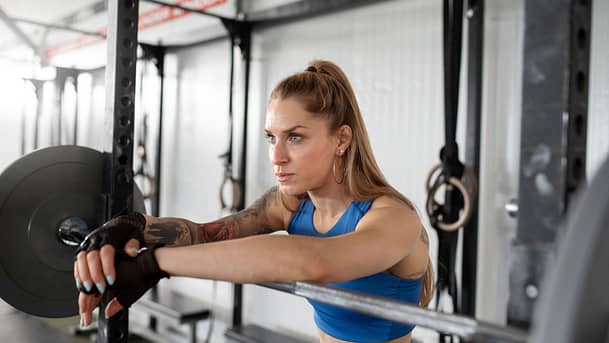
point(345, 324)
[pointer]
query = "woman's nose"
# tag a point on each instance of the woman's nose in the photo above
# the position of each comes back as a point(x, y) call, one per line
point(278, 154)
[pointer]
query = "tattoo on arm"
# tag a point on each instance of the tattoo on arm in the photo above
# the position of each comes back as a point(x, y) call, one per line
point(177, 232)
point(223, 229)
point(170, 231)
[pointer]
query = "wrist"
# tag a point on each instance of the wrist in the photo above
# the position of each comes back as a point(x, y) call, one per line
point(159, 256)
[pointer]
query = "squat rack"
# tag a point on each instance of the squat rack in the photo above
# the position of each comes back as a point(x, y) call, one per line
point(568, 98)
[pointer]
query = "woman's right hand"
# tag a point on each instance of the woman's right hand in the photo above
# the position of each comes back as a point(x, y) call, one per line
point(94, 266)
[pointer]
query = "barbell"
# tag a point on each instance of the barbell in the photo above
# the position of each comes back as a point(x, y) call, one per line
point(51, 198)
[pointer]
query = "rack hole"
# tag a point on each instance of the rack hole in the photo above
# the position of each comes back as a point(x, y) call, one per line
point(126, 82)
point(128, 23)
point(125, 101)
point(124, 140)
point(579, 124)
point(580, 81)
point(128, 43)
point(124, 121)
point(122, 159)
point(582, 38)
point(127, 62)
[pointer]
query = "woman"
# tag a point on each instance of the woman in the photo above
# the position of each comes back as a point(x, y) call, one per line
point(348, 227)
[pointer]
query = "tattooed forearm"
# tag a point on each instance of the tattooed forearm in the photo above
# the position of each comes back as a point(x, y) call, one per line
point(170, 231)
point(227, 228)
point(177, 232)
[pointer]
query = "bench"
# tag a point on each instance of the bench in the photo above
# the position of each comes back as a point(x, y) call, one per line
point(174, 308)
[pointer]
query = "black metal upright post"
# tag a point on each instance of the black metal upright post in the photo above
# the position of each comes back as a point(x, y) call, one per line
point(475, 19)
point(120, 95)
point(553, 139)
point(242, 39)
point(157, 55)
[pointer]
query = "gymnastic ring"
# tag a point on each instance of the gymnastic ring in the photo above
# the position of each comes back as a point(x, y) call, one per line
point(467, 172)
point(467, 204)
point(236, 194)
point(430, 175)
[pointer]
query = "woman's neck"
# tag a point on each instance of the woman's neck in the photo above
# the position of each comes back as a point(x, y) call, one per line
point(332, 201)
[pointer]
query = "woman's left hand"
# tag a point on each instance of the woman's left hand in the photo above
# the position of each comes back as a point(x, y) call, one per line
point(135, 276)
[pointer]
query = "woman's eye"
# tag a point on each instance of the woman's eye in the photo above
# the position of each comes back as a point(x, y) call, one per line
point(294, 138)
point(270, 139)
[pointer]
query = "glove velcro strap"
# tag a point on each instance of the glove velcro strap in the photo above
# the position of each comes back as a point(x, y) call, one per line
point(148, 263)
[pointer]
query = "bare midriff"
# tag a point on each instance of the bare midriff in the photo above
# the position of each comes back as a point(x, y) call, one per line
point(325, 338)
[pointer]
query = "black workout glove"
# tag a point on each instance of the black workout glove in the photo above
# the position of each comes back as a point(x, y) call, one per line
point(135, 276)
point(116, 232)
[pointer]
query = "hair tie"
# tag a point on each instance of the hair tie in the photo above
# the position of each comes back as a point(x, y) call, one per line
point(311, 69)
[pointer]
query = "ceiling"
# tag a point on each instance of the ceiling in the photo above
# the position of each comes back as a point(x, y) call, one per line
point(22, 41)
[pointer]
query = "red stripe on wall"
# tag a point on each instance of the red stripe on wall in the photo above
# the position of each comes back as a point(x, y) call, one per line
point(148, 19)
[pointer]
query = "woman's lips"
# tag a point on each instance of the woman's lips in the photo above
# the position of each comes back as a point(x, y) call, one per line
point(283, 177)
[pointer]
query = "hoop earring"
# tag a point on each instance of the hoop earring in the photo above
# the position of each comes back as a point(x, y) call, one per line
point(334, 173)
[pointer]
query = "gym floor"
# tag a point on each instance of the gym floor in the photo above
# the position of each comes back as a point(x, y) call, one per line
point(21, 327)
point(24, 328)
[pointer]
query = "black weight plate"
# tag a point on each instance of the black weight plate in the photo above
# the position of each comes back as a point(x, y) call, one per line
point(37, 193)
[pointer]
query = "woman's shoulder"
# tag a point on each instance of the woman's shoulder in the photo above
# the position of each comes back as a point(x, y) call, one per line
point(389, 202)
point(390, 212)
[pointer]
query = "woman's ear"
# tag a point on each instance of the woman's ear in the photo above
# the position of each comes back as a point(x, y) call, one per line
point(345, 136)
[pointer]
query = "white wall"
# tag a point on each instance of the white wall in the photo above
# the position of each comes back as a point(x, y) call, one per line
point(499, 151)
point(598, 105)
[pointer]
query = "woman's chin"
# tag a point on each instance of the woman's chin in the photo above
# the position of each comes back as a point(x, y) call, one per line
point(288, 189)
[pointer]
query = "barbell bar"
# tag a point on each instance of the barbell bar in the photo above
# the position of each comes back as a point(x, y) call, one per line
point(403, 312)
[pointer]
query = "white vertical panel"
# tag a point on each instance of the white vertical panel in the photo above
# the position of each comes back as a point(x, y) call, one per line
point(598, 106)
point(500, 154)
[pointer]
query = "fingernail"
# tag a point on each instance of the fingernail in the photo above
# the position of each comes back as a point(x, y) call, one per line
point(87, 285)
point(110, 280)
point(78, 285)
point(100, 287)
point(82, 323)
point(133, 250)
